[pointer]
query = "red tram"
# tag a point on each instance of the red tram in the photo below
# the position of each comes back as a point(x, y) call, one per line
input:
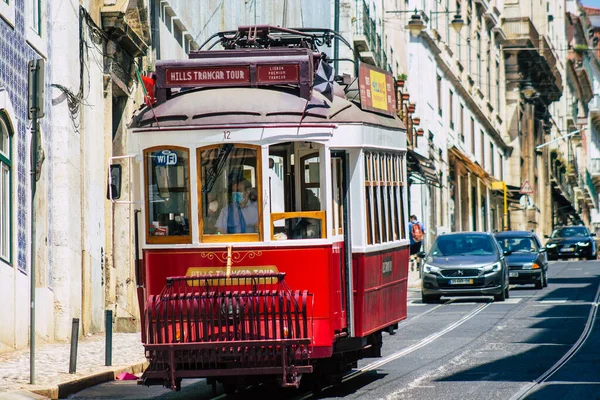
point(273, 242)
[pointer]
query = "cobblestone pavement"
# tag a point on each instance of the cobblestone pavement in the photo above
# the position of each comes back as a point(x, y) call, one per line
point(52, 361)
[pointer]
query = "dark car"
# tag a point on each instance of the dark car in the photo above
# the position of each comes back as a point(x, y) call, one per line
point(465, 264)
point(527, 261)
point(571, 242)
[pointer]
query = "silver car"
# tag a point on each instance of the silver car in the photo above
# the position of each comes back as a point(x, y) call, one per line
point(465, 264)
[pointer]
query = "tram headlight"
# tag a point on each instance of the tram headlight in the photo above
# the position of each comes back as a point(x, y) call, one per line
point(431, 269)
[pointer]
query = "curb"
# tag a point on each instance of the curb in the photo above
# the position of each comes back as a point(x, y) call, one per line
point(65, 389)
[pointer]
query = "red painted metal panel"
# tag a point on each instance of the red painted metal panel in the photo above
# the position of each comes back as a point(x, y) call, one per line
point(380, 289)
point(306, 268)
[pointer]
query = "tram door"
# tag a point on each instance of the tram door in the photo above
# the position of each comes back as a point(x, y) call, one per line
point(340, 203)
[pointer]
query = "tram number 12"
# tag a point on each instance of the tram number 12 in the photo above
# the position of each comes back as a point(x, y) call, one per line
point(226, 135)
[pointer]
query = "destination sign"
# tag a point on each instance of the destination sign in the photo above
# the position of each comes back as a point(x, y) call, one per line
point(207, 76)
point(286, 73)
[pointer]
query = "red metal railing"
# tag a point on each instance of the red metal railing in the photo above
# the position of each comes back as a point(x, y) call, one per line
point(242, 324)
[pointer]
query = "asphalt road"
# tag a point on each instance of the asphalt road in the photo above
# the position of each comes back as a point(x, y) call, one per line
point(467, 348)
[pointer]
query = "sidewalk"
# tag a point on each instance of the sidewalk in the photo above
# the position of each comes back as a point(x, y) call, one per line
point(52, 376)
point(414, 280)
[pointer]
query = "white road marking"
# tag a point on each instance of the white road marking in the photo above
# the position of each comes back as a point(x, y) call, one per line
point(554, 301)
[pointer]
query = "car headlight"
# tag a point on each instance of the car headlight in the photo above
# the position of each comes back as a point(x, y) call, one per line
point(583, 244)
point(551, 245)
point(430, 269)
point(492, 267)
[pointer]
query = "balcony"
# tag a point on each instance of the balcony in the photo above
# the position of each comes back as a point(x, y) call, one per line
point(522, 33)
point(367, 41)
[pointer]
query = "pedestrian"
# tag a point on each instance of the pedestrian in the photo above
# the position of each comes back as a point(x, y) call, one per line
point(416, 232)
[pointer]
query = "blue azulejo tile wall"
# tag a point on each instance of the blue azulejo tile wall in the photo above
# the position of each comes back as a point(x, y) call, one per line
point(15, 53)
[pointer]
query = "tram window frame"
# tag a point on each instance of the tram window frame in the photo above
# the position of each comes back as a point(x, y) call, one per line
point(337, 196)
point(230, 237)
point(168, 239)
point(384, 186)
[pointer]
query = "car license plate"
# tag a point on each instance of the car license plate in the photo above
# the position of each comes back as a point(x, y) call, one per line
point(568, 249)
point(461, 281)
point(513, 274)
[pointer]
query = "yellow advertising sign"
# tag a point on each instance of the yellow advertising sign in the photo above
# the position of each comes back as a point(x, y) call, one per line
point(207, 272)
point(378, 90)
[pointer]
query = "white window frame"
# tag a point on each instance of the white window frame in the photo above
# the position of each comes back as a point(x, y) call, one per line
point(37, 40)
point(7, 11)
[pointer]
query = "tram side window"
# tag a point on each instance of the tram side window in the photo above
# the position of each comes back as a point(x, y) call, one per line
point(168, 194)
point(229, 191)
point(337, 200)
point(383, 197)
point(295, 210)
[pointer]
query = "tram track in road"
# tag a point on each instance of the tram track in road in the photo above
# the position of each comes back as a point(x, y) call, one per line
point(408, 350)
point(585, 334)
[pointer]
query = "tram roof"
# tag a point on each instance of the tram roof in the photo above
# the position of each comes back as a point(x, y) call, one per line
point(260, 106)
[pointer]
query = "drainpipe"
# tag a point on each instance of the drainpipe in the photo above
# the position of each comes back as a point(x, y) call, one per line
point(155, 21)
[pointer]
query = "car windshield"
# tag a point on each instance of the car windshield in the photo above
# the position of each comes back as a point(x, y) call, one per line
point(574, 231)
point(518, 244)
point(462, 245)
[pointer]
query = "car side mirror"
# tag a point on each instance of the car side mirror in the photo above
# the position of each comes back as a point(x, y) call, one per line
point(507, 253)
point(421, 254)
point(546, 237)
point(113, 191)
point(593, 234)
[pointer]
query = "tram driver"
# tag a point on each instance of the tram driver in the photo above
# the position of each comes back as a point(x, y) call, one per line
point(241, 214)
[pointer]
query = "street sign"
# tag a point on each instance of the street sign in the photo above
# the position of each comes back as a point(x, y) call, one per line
point(526, 202)
point(526, 188)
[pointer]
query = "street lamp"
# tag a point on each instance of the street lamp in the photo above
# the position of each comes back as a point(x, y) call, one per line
point(528, 90)
point(457, 22)
point(415, 25)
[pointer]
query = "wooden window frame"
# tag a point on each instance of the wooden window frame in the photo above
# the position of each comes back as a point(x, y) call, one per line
point(230, 237)
point(182, 239)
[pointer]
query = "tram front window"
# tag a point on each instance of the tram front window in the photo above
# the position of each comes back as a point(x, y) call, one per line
point(167, 172)
point(229, 190)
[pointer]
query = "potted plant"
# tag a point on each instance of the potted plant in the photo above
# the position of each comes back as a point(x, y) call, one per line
point(580, 48)
point(401, 79)
point(416, 120)
point(420, 132)
point(405, 96)
point(411, 107)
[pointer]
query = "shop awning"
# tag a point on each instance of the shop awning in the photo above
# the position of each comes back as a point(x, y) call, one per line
point(421, 169)
point(470, 165)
